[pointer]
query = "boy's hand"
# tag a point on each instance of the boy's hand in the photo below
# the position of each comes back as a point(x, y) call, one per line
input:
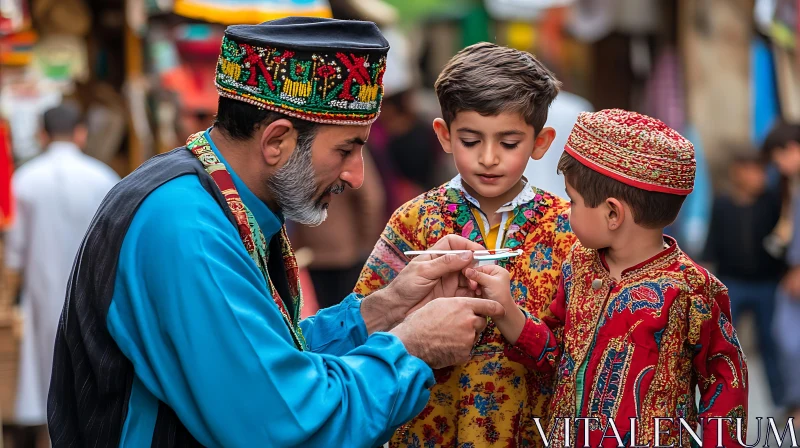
point(494, 284)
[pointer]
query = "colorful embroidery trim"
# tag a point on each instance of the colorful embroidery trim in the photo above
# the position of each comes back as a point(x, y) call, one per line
point(335, 88)
point(252, 236)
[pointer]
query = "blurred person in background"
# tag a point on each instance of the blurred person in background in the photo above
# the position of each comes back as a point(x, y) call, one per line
point(356, 220)
point(56, 196)
point(782, 146)
point(562, 117)
point(402, 142)
point(742, 220)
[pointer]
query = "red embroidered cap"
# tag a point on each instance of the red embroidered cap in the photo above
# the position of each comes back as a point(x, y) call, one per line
point(634, 149)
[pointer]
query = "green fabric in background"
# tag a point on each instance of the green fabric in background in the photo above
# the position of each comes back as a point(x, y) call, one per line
point(475, 26)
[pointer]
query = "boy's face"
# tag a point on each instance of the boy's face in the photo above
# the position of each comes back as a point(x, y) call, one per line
point(491, 152)
point(589, 224)
point(750, 177)
point(787, 159)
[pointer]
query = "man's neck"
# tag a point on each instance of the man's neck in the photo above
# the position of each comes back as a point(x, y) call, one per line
point(240, 157)
point(633, 246)
point(62, 142)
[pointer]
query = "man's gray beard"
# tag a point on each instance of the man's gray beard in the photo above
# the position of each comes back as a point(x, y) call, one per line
point(294, 188)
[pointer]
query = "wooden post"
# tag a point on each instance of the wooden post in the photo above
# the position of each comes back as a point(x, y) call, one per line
point(133, 73)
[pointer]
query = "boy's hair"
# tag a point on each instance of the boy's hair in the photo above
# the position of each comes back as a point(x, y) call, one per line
point(747, 158)
point(491, 79)
point(780, 135)
point(650, 209)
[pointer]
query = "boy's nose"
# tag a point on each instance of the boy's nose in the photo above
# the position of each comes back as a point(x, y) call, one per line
point(488, 157)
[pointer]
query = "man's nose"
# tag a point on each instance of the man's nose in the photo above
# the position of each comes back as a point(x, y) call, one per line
point(353, 174)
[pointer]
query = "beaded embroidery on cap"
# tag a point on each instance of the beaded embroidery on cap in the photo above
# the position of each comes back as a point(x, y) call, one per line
point(330, 88)
point(634, 149)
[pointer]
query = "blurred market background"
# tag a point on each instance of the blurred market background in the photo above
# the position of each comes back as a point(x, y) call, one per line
point(725, 73)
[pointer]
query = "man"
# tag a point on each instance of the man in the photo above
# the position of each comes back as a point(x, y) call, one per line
point(56, 195)
point(181, 321)
point(356, 218)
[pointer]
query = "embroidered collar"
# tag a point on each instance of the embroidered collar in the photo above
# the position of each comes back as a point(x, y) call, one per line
point(269, 221)
point(528, 194)
point(658, 261)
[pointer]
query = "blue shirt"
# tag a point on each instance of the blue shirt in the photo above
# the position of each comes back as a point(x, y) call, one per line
point(194, 315)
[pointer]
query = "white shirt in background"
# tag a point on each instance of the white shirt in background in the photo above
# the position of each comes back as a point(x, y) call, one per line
point(57, 194)
point(561, 117)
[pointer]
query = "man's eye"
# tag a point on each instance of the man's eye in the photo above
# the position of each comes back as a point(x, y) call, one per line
point(469, 143)
point(344, 153)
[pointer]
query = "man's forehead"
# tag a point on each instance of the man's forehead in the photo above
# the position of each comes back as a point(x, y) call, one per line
point(345, 134)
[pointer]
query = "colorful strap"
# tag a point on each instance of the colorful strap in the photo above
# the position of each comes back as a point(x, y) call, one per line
point(252, 236)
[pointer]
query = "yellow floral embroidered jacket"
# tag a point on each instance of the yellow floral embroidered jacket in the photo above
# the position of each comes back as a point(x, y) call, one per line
point(490, 401)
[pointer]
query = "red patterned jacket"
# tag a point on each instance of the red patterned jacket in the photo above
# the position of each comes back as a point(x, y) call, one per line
point(637, 348)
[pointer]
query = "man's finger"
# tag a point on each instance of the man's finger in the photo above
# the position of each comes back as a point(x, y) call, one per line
point(456, 242)
point(483, 307)
point(446, 264)
point(480, 324)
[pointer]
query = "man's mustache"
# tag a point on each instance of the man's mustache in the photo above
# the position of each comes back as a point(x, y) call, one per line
point(335, 189)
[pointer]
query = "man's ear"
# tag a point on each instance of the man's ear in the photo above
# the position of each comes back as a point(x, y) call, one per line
point(543, 142)
point(278, 140)
point(443, 134)
point(615, 214)
point(80, 136)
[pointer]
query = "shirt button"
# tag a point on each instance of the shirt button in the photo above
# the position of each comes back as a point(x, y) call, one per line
point(597, 284)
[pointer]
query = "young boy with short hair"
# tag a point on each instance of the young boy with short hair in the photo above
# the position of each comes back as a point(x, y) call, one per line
point(494, 104)
point(641, 324)
point(782, 145)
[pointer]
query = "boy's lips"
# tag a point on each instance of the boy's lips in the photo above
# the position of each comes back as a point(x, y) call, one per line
point(489, 178)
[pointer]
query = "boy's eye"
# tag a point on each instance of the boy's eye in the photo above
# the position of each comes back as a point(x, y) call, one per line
point(344, 153)
point(469, 143)
point(509, 145)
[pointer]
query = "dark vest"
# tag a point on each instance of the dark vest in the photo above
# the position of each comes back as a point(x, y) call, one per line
point(91, 381)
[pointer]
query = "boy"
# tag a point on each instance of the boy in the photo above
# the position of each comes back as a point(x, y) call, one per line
point(748, 214)
point(782, 145)
point(494, 104)
point(642, 325)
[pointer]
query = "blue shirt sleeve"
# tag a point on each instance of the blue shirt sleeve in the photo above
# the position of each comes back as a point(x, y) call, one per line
point(336, 330)
point(194, 315)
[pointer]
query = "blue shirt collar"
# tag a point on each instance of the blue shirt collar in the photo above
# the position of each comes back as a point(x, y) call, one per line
point(269, 221)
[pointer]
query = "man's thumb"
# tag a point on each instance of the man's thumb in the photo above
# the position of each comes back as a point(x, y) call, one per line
point(448, 263)
point(484, 307)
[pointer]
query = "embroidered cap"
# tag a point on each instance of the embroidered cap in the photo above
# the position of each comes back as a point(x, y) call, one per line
point(322, 70)
point(634, 149)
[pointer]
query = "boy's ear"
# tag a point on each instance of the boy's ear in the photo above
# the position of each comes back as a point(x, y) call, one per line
point(443, 134)
point(615, 214)
point(543, 142)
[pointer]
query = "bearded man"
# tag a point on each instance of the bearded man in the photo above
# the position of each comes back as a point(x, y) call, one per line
point(181, 327)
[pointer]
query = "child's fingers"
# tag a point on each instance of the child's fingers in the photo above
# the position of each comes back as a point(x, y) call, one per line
point(478, 276)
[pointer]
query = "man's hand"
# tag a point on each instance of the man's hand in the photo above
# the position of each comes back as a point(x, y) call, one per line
point(443, 332)
point(425, 278)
